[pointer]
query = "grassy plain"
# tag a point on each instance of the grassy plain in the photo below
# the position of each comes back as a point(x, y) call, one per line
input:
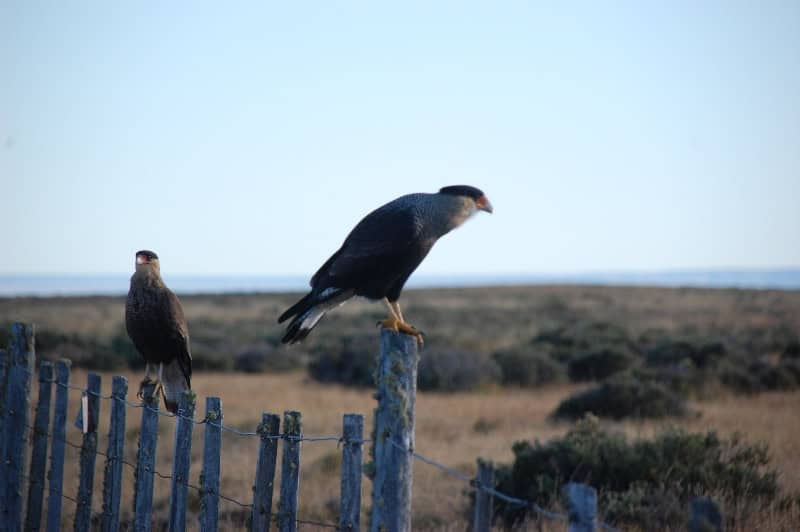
point(453, 428)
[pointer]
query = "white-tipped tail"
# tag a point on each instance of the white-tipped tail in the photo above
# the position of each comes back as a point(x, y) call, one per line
point(175, 383)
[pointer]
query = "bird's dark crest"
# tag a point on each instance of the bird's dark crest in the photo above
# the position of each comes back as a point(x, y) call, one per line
point(150, 255)
point(462, 190)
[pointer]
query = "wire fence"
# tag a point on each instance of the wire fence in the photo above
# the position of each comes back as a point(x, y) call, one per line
point(213, 419)
point(470, 481)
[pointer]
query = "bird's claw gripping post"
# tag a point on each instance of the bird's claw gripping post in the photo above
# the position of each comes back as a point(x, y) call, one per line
point(140, 393)
point(157, 387)
point(402, 327)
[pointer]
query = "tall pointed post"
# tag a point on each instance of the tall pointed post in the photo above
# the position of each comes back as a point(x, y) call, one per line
point(18, 399)
point(112, 481)
point(83, 513)
point(146, 461)
point(181, 461)
point(33, 519)
point(212, 446)
point(393, 443)
point(58, 435)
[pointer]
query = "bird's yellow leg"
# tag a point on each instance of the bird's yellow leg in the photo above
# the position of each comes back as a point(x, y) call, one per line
point(146, 380)
point(159, 388)
point(396, 322)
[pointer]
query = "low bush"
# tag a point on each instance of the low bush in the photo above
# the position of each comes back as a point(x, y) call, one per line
point(351, 361)
point(624, 396)
point(260, 358)
point(453, 370)
point(761, 376)
point(645, 483)
point(568, 342)
point(791, 351)
point(676, 352)
point(599, 364)
point(526, 367)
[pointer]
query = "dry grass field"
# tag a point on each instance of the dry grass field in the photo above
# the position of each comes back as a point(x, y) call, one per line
point(454, 428)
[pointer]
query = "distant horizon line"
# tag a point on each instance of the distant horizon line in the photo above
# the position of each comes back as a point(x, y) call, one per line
point(108, 284)
point(610, 271)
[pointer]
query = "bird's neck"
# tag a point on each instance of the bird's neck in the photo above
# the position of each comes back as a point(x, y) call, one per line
point(445, 212)
point(149, 277)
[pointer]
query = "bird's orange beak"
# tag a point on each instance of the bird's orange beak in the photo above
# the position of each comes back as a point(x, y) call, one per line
point(141, 259)
point(483, 204)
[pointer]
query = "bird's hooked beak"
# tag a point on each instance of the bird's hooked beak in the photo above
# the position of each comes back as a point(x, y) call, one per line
point(141, 259)
point(483, 204)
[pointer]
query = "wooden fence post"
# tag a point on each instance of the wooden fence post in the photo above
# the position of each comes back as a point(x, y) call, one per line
point(290, 471)
point(58, 436)
point(704, 515)
point(33, 518)
point(112, 480)
point(181, 461)
point(4, 363)
point(265, 472)
point(83, 514)
point(16, 427)
point(394, 432)
point(582, 506)
point(146, 461)
point(484, 501)
point(212, 445)
point(350, 504)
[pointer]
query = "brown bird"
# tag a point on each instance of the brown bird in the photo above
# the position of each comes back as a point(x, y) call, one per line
point(156, 325)
point(380, 254)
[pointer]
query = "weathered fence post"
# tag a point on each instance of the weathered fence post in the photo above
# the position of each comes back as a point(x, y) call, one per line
point(146, 461)
point(83, 514)
point(20, 370)
point(394, 432)
point(33, 518)
point(704, 515)
point(582, 506)
point(290, 471)
point(265, 472)
point(4, 363)
point(350, 504)
point(112, 480)
point(181, 461)
point(482, 517)
point(58, 435)
point(212, 445)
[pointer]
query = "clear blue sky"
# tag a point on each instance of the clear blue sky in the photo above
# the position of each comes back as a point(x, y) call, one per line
point(250, 138)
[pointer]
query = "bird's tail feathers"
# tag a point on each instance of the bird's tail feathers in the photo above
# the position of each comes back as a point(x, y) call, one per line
point(307, 319)
point(298, 308)
point(174, 382)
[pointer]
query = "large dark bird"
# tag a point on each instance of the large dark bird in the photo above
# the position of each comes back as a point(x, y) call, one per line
point(155, 323)
point(380, 254)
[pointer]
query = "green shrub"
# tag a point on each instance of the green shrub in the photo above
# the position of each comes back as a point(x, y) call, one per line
point(599, 364)
point(740, 379)
point(568, 342)
point(527, 367)
point(778, 377)
point(260, 358)
point(452, 370)
point(351, 362)
point(670, 353)
point(624, 396)
point(791, 351)
point(645, 483)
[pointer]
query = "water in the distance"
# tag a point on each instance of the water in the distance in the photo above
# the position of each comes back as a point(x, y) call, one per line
point(117, 284)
